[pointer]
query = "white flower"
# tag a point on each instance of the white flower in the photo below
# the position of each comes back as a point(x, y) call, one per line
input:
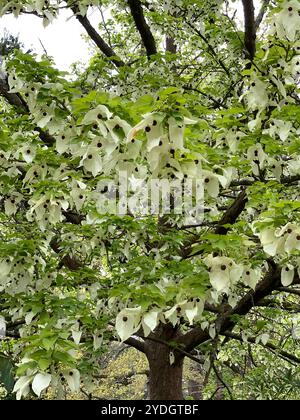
point(233, 139)
point(36, 172)
point(22, 386)
point(228, 175)
point(287, 275)
point(276, 168)
point(133, 150)
point(10, 204)
point(294, 166)
point(151, 124)
point(40, 382)
point(117, 128)
point(295, 66)
point(251, 277)
point(287, 22)
point(257, 157)
point(92, 161)
point(128, 322)
point(97, 115)
point(257, 95)
point(150, 321)
point(73, 379)
point(5, 267)
point(15, 84)
point(28, 153)
point(223, 273)
point(269, 241)
point(290, 237)
point(175, 313)
point(211, 183)
point(194, 310)
point(78, 196)
point(280, 128)
point(62, 143)
point(43, 116)
point(176, 132)
point(2, 327)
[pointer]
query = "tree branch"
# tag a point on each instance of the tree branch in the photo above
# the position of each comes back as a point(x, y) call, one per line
point(250, 28)
point(268, 345)
point(175, 349)
point(261, 14)
point(70, 262)
point(271, 281)
point(210, 49)
point(233, 212)
point(285, 180)
point(16, 100)
point(98, 40)
point(230, 216)
point(142, 26)
point(13, 99)
point(220, 378)
point(137, 344)
point(171, 46)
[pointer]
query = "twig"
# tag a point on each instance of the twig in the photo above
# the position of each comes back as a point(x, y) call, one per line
point(43, 47)
point(219, 376)
point(98, 40)
point(270, 346)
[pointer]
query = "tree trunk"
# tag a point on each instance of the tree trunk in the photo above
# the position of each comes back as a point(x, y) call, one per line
point(165, 380)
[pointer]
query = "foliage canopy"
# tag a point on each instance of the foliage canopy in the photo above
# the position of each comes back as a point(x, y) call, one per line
point(177, 90)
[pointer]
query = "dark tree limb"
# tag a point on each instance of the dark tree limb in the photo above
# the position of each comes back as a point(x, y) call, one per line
point(171, 46)
point(70, 262)
point(16, 100)
point(142, 26)
point(170, 345)
point(222, 381)
point(98, 40)
point(233, 212)
point(45, 137)
point(250, 28)
point(270, 282)
point(72, 217)
point(137, 344)
point(13, 99)
point(229, 217)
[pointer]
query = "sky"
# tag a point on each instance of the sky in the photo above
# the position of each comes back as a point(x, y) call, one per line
point(62, 39)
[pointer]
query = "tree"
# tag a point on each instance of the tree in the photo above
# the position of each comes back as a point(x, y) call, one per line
point(177, 91)
point(9, 43)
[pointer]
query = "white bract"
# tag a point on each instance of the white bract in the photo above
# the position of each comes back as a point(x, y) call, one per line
point(223, 273)
point(257, 157)
point(251, 277)
point(128, 322)
point(150, 321)
point(287, 22)
point(287, 275)
point(257, 96)
point(40, 382)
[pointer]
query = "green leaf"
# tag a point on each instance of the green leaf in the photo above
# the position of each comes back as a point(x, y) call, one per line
point(6, 373)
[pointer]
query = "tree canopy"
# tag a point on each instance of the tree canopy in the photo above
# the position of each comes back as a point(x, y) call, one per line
point(178, 93)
